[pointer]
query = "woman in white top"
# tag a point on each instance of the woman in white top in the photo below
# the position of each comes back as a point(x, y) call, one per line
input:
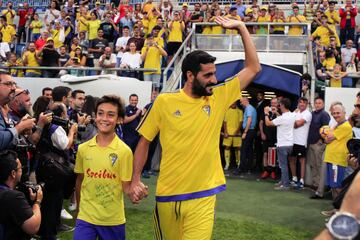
point(51, 13)
point(131, 60)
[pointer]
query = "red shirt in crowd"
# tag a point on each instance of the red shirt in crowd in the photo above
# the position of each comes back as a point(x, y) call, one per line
point(122, 8)
point(39, 44)
point(22, 16)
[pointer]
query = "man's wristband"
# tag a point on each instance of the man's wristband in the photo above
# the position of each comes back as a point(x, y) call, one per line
point(266, 115)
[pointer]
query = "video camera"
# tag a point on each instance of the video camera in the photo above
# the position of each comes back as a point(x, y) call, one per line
point(24, 188)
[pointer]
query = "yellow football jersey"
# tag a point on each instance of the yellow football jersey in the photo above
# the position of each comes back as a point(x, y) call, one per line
point(104, 169)
point(189, 134)
point(233, 117)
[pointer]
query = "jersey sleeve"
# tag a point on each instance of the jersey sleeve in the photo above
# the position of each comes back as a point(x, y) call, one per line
point(230, 91)
point(79, 160)
point(343, 132)
point(126, 166)
point(277, 121)
point(150, 124)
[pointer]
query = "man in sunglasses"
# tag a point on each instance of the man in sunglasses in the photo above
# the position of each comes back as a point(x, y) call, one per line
point(8, 133)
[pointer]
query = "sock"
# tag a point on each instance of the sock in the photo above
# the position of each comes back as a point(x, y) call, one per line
point(227, 157)
point(237, 157)
point(301, 180)
point(295, 178)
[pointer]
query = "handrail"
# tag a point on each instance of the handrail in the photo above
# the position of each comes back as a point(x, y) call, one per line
point(181, 49)
point(79, 68)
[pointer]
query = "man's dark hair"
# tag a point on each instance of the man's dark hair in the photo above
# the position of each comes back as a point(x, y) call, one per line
point(133, 95)
point(157, 27)
point(114, 100)
point(304, 99)
point(286, 103)
point(358, 94)
point(319, 98)
point(7, 164)
point(59, 92)
point(75, 92)
point(306, 76)
point(46, 89)
point(126, 27)
point(193, 61)
point(3, 18)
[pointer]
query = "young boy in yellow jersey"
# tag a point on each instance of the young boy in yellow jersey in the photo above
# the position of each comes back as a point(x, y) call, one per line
point(336, 76)
point(104, 168)
point(7, 30)
point(189, 122)
point(36, 25)
point(330, 61)
point(296, 18)
point(232, 138)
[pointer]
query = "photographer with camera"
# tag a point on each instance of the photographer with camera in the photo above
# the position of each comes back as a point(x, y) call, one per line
point(55, 169)
point(8, 133)
point(107, 60)
point(18, 219)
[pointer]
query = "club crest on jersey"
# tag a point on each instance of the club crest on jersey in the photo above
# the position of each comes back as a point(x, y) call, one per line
point(113, 157)
point(207, 109)
point(177, 113)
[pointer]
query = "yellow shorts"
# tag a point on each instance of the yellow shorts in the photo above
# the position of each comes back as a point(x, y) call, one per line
point(232, 142)
point(185, 220)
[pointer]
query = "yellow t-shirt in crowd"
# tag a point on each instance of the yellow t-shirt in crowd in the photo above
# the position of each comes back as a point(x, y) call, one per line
point(278, 27)
point(56, 36)
point(9, 17)
point(329, 63)
point(93, 28)
point(16, 72)
point(7, 32)
point(324, 35)
point(176, 34)
point(295, 30)
point(152, 23)
point(82, 24)
point(145, 23)
point(262, 29)
point(152, 59)
point(232, 31)
point(216, 29)
point(159, 40)
point(207, 30)
point(31, 62)
point(148, 7)
point(331, 16)
point(190, 165)
point(336, 82)
point(36, 26)
point(336, 151)
point(233, 118)
point(104, 169)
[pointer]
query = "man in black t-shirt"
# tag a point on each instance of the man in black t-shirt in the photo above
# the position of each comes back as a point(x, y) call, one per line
point(109, 27)
point(197, 17)
point(50, 58)
point(97, 47)
point(268, 137)
point(18, 219)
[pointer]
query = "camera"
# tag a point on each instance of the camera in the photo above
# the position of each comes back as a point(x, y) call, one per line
point(65, 123)
point(353, 145)
point(24, 188)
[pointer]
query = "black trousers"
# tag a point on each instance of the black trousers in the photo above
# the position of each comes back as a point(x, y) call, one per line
point(50, 214)
point(151, 152)
point(247, 152)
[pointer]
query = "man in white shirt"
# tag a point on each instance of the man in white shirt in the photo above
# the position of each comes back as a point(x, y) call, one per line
point(348, 54)
point(107, 60)
point(121, 44)
point(285, 138)
point(301, 132)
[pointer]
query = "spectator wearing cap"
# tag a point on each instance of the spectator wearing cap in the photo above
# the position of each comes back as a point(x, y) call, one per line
point(347, 23)
point(78, 53)
point(36, 26)
point(332, 14)
point(240, 8)
point(98, 10)
point(50, 58)
point(31, 59)
point(262, 18)
point(176, 28)
point(151, 56)
point(69, 31)
point(51, 13)
point(185, 12)
point(296, 18)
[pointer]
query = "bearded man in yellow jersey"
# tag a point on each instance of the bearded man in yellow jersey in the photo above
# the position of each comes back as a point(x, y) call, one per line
point(189, 122)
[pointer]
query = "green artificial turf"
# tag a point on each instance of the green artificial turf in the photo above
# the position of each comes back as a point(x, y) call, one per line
point(248, 209)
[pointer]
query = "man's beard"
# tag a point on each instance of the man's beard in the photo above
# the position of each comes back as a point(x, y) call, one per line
point(200, 90)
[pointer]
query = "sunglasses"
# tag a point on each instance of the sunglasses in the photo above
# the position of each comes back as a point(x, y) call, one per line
point(26, 91)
